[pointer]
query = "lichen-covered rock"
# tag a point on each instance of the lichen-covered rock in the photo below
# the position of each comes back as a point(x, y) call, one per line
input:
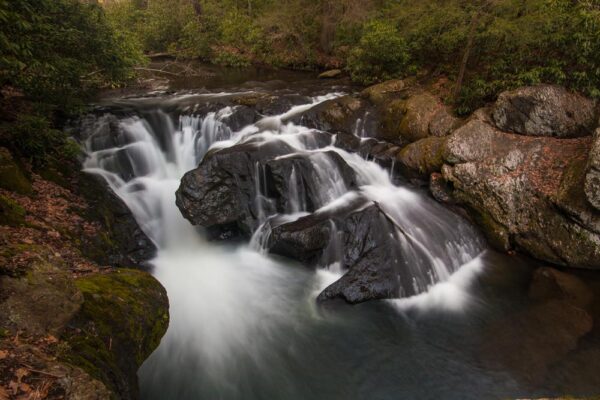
point(545, 110)
point(331, 74)
point(383, 92)
point(592, 174)
point(11, 175)
point(411, 119)
point(124, 315)
point(525, 192)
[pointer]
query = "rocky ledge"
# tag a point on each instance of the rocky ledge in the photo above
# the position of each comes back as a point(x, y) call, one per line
point(72, 326)
point(526, 168)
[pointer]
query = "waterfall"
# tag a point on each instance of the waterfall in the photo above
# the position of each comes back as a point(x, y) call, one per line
point(230, 303)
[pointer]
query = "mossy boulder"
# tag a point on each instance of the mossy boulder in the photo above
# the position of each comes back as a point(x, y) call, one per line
point(12, 176)
point(421, 158)
point(382, 93)
point(11, 213)
point(419, 116)
point(124, 315)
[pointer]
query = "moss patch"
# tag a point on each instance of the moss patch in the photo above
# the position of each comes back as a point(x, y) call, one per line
point(11, 176)
point(123, 317)
point(11, 213)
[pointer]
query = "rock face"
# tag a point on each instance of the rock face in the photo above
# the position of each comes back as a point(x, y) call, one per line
point(124, 244)
point(499, 177)
point(545, 110)
point(526, 192)
point(592, 175)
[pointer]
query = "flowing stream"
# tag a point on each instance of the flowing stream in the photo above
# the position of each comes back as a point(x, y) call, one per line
point(245, 324)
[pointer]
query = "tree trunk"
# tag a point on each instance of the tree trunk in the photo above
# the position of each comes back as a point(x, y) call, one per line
point(467, 53)
point(197, 8)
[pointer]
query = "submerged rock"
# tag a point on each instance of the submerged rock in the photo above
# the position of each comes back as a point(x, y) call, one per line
point(545, 110)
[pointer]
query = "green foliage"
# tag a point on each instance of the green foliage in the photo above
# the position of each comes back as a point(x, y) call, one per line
point(32, 136)
point(54, 50)
point(381, 54)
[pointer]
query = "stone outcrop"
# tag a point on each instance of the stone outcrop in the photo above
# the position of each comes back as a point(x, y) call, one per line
point(592, 174)
point(545, 110)
point(525, 192)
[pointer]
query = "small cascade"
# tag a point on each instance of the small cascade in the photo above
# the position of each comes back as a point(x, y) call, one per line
point(237, 312)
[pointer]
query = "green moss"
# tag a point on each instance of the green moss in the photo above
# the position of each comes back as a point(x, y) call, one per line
point(11, 213)
point(123, 317)
point(11, 176)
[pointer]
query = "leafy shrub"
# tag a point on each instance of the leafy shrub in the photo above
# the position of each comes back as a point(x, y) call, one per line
point(380, 54)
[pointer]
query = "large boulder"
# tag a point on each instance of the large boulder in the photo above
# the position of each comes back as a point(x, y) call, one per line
point(545, 110)
point(124, 315)
point(233, 188)
point(420, 159)
point(592, 175)
point(414, 118)
point(336, 115)
point(525, 192)
point(361, 237)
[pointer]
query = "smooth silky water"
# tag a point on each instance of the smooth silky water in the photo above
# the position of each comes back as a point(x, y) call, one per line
point(245, 325)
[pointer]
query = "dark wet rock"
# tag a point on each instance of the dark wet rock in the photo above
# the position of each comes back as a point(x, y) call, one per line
point(348, 142)
point(336, 115)
point(221, 193)
point(525, 192)
point(550, 283)
point(545, 110)
point(592, 175)
point(124, 244)
point(12, 176)
point(296, 174)
point(122, 318)
point(362, 237)
point(331, 74)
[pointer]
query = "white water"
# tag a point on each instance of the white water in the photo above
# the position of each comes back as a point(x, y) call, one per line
point(232, 302)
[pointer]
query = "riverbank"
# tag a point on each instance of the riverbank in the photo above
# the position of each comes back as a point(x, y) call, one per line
point(72, 326)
